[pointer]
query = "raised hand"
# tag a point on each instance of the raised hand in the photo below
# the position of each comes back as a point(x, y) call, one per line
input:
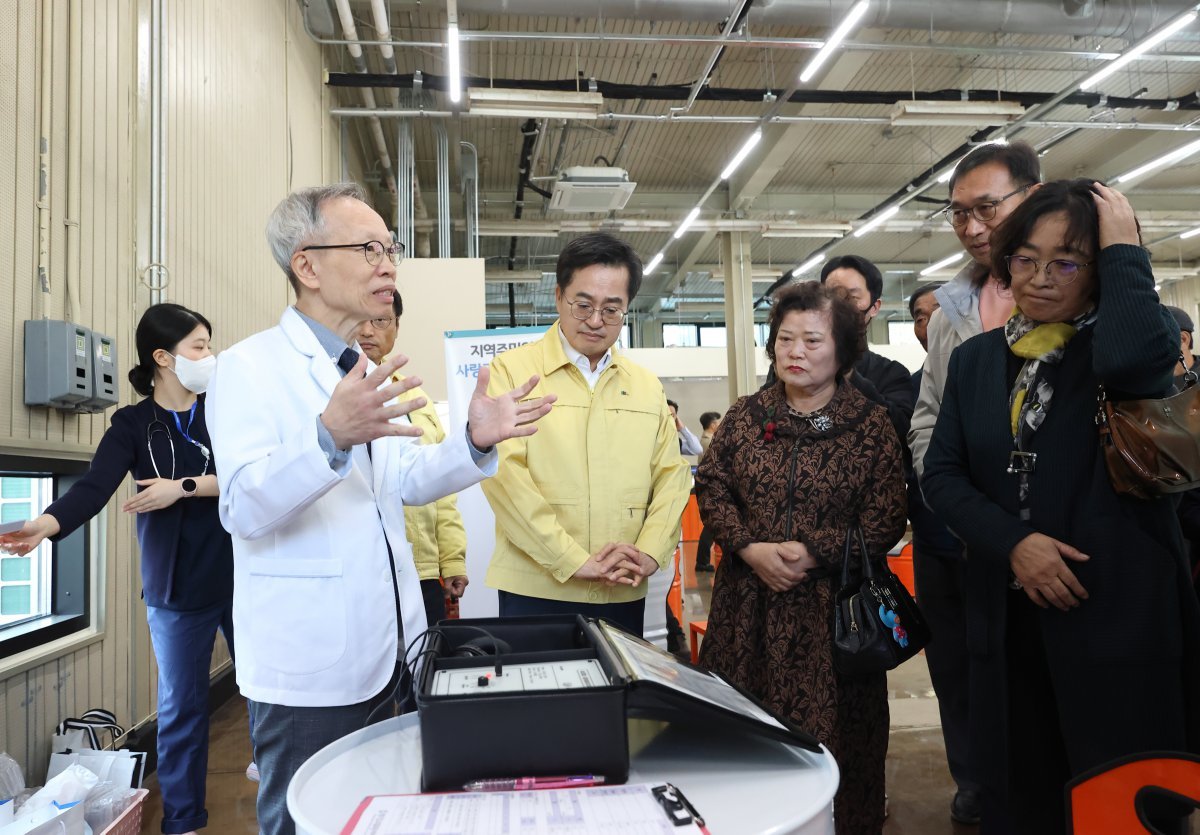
point(357, 412)
point(1117, 222)
point(30, 536)
point(495, 419)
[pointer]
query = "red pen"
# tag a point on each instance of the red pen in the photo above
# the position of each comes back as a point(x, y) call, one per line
point(576, 781)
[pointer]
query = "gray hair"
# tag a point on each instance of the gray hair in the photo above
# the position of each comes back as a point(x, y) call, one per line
point(298, 219)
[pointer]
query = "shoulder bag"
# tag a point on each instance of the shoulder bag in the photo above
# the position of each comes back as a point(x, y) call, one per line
point(877, 625)
point(1152, 447)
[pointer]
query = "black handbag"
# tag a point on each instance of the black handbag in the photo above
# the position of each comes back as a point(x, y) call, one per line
point(876, 623)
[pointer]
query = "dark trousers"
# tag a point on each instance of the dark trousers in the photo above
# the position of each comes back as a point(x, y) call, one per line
point(704, 547)
point(1038, 766)
point(629, 616)
point(285, 737)
point(940, 580)
point(435, 600)
point(183, 646)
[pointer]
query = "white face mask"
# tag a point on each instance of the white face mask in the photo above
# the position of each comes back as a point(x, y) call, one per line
point(194, 375)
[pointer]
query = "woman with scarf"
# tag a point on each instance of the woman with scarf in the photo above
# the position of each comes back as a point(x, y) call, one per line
point(1084, 636)
point(187, 557)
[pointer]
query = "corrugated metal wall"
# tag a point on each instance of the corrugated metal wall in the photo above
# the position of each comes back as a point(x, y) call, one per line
point(244, 114)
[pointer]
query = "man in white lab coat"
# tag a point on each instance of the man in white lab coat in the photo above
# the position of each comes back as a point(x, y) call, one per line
point(316, 463)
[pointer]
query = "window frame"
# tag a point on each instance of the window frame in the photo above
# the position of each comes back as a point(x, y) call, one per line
point(70, 564)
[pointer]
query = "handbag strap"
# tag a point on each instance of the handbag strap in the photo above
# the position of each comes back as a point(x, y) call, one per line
point(854, 532)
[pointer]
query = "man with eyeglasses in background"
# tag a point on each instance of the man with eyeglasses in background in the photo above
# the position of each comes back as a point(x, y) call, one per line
point(590, 506)
point(987, 185)
point(314, 469)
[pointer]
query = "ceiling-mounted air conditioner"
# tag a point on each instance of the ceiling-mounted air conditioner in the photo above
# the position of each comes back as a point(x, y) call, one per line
point(584, 188)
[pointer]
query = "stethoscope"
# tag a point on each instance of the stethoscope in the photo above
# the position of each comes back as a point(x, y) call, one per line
point(157, 425)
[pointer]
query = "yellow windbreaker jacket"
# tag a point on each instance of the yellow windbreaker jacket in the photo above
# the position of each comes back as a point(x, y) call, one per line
point(604, 466)
point(435, 530)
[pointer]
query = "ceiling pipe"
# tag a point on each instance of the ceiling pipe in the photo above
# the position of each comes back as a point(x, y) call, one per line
point(675, 92)
point(752, 42)
point(1064, 124)
point(735, 19)
point(1100, 18)
point(350, 31)
point(744, 40)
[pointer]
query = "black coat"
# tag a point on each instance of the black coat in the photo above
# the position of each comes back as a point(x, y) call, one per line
point(1124, 664)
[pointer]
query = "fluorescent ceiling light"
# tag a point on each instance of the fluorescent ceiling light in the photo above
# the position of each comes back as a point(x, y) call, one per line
point(835, 40)
point(1137, 50)
point(515, 276)
point(687, 221)
point(452, 58)
point(548, 104)
point(741, 155)
point(817, 258)
point(806, 229)
point(699, 307)
point(1166, 159)
point(879, 219)
point(968, 113)
point(1191, 233)
point(501, 309)
point(945, 262)
point(654, 262)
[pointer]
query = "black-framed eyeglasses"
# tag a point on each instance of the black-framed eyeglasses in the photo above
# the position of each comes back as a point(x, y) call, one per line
point(373, 251)
point(982, 212)
point(585, 310)
point(382, 323)
point(1060, 271)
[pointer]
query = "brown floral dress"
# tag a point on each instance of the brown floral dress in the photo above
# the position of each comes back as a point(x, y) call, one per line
point(769, 476)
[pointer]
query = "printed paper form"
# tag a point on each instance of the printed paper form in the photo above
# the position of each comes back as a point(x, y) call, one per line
point(629, 809)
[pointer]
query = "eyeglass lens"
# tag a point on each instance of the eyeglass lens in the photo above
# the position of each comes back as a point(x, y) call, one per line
point(608, 315)
point(374, 250)
point(1058, 270)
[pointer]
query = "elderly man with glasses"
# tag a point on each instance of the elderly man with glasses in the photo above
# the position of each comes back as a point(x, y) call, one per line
point(315, 467)
point(590, 506)
point(987, 185)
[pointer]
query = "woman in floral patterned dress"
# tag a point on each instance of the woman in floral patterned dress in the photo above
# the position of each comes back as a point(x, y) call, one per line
point(790, 470)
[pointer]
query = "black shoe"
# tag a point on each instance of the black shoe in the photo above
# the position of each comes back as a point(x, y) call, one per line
point(705, 568)
point(964, 808)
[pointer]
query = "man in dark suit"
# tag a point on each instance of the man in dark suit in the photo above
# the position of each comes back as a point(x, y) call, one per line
point(882, 380)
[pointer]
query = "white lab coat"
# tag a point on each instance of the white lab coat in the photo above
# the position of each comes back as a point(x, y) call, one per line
point(313, 608)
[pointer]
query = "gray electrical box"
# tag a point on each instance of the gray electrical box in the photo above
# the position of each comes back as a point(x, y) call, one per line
point(103, 354)
point(58, 364)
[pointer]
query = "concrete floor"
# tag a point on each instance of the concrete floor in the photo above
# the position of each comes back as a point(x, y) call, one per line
point(919, 784)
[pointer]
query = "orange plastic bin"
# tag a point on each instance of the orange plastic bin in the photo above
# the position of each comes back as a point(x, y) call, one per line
point(902, 566)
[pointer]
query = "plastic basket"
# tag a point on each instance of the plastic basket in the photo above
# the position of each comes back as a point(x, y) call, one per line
point(130, 821)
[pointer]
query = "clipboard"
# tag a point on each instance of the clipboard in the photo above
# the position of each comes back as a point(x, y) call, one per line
point(636, 808)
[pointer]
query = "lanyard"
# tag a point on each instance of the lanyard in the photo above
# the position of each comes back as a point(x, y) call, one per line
point(191, 417)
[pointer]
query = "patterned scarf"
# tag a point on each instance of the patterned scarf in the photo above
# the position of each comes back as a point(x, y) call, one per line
point(1036, 343)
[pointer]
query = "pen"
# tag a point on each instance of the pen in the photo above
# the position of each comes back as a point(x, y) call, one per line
point(576, 781)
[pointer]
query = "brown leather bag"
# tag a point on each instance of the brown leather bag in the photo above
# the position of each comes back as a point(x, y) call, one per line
point(1152, 447)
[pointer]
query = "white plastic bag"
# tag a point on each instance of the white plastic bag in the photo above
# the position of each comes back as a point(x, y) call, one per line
point(12, 781)
point(70, 786)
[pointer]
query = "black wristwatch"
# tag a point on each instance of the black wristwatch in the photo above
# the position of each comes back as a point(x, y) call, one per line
point(189, 486)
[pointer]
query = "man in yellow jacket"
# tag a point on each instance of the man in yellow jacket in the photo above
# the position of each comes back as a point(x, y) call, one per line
point(590, 505)
point(435, 530)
